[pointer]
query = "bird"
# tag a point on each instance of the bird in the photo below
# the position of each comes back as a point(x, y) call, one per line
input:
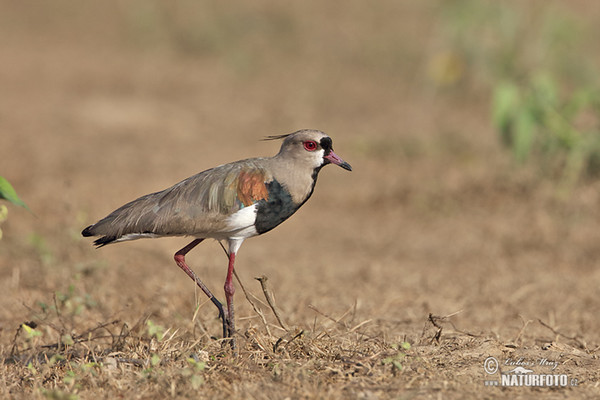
point(229, 203)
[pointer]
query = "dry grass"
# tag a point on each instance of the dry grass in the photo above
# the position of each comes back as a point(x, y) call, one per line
point(395, 281)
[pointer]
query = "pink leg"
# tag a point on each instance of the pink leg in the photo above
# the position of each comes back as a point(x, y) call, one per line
point(180, 260)
point(229, 291)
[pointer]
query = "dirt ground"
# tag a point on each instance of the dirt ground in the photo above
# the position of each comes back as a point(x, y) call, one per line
point(398, 280)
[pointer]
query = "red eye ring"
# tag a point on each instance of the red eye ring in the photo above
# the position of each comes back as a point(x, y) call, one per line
point(310, 145)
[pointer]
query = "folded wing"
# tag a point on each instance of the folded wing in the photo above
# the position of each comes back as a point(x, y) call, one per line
point(197, 206)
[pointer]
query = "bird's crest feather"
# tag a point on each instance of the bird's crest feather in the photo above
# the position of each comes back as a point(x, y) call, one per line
point(277, 137)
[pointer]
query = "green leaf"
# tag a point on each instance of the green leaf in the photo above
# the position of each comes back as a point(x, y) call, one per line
point(30, 332)
point(524, 135)
point(198, 365)
point(56, 358)
point(7, 192)
point(155, 330)
point(546, 90)
point(67, 340)
point(154, 360)
point(505, 104)
point(506, 100)
point(69, 377)
point(31, 368)
point(3, 212)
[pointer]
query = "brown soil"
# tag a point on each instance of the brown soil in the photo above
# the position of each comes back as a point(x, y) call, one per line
point(397, 280)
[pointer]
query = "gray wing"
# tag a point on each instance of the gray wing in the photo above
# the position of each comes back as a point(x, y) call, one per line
point(197, 206)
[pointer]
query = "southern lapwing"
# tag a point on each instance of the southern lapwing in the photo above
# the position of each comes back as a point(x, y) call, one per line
point(231, 203)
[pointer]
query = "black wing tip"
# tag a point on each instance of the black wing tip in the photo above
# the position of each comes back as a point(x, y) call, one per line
point(104, 240)
point(87, 232)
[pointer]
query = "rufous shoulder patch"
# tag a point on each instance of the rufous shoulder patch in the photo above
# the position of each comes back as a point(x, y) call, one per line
point(251, 187)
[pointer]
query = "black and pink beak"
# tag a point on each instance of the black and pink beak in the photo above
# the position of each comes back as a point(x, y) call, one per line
point(333, 158)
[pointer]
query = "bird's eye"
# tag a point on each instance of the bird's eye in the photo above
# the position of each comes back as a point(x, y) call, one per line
point(310, 145)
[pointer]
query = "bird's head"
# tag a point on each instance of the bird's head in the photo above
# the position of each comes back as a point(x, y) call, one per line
point(312, 147)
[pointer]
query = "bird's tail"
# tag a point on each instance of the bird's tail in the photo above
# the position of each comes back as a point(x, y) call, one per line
point(102, 241)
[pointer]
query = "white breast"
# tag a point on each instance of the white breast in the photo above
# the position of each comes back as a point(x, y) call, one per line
point(241, 223)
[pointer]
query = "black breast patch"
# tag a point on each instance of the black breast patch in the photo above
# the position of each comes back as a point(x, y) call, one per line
point(278, 207)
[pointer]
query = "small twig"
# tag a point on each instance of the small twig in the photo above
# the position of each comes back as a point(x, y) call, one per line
point(329, 317)
point(36, 315)
point(296, 336)
point(76, 340)
point(121, 338)
point(269, 296)
point(14, 344)
point(256, 298)
point(138, 326)
point(433, 319)
point(574, 338)
point(354, 310)
point(134, 361)
point(359, 325)
point(58, 314)
point(200, 324)
point(256, 309)
point(517, 339)
point(280, 340)
point(339, 320)
point(99, 326)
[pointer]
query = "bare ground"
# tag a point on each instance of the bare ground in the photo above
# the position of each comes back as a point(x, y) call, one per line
point(397, 280)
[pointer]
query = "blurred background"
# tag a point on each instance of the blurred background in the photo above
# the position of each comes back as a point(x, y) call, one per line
point(472, 128)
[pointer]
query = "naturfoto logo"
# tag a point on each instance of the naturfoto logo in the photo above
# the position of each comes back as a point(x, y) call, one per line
point(522, 372)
